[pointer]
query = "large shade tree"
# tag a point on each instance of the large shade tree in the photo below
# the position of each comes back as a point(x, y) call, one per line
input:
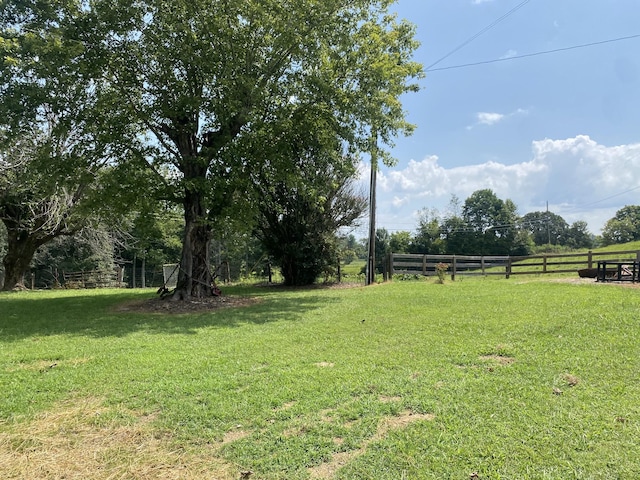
point(201, 77)
point(34, 210)
point(51, 134)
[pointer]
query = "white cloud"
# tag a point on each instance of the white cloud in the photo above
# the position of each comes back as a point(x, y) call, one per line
point(509, 54)
point(493, 118)
point(581, 180)
point(485, 118)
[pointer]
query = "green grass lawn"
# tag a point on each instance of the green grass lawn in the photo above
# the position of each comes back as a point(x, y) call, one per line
point(506, 379)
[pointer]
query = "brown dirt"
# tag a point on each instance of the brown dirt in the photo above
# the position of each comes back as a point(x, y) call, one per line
point(592, 281)
point(168, 306)
point(499, 359)
point(570, 380)
point(81, 438)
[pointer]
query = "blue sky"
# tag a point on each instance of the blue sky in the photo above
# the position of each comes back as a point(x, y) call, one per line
point(562, 128)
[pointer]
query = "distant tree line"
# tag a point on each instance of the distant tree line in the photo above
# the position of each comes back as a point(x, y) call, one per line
point(486, 225)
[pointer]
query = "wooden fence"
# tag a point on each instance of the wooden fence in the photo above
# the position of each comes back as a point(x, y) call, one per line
point(93, 279)
point(585, 263)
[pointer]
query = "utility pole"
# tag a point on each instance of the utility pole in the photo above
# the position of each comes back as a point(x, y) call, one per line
point(371, 257)
point(548, 226)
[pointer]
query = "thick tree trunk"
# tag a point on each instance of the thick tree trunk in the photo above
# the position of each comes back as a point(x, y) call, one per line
point(194, 278)
point(20, 250)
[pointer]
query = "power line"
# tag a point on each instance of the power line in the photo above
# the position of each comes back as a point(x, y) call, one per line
point(584, 45)
point(579, 207)
point(484, 30)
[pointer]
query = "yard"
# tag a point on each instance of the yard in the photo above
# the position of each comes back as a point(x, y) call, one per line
point(528, 378)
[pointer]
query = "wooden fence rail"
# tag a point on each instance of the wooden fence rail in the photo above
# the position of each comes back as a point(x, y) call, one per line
point(585, 263)
point(93, 279)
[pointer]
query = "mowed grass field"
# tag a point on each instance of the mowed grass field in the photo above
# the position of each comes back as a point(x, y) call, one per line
point(478, 379)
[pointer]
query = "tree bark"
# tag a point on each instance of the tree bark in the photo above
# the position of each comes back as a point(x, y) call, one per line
point(194, 277)
point(21, 246)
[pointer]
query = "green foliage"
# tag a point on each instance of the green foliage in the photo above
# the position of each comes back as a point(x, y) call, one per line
point(623, 227)
point(491, 223)
point(400, 242)
point(490, 226)
point(53, 124)
point(197, 93)
point(91, 249)
point(455, 234)
point(349, 249)
point(3, 247)
point(579, 235)
point(441, 271)
point(545, 228)
point(428, 237)
point(382, 247)
point(155, 233)
point(217, 84)
point(435, 383)
point(299, 232)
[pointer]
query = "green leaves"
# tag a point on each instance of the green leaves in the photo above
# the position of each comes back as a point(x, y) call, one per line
point(206, 88)
point(623, 227)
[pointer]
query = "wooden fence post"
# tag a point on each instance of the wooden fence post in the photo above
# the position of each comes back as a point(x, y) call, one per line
point(385, 265)
point(482, 263)
point(424, 265)
point(544, 263)
point(453, 269)
point(133, 272)
point(590, 259)
point(508, 269)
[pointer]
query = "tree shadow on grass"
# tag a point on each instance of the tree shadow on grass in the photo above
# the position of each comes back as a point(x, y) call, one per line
point(96, 315)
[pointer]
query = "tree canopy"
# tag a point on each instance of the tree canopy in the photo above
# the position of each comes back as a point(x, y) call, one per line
point(207, 79)
point(623, 227)
point(190, 90)
point(51, 131)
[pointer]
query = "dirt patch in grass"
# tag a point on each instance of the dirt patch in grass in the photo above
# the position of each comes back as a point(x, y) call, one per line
point(325, 364)
point(328, 469)
point(82, 439)
point(168, 306)
point(234, 435)
point(499, 359)
point(580, 281)
point(284, 407)
point(570, 380)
